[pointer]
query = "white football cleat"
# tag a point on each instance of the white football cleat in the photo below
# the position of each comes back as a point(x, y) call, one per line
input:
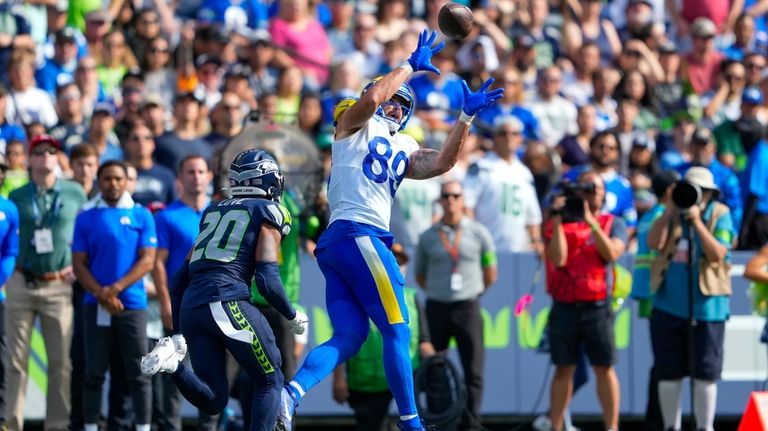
point(163, 358)
point(287, 408)
point(180, 344)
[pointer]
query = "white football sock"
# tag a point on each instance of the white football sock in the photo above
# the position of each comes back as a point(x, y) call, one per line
point(705, 399)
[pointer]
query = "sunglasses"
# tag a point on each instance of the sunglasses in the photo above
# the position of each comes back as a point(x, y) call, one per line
point(39, 151)
point(450, 195)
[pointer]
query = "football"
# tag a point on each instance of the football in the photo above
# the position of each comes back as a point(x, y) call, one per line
point(455, 20)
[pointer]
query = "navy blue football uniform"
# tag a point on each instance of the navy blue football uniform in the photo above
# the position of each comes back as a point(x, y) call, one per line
point(222, 262)
point(215, 313)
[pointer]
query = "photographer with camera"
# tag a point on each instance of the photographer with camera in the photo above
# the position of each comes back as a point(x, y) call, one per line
point(580, 242)
point(691, 286)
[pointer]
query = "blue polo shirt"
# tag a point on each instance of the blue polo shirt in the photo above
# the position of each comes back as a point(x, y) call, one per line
point(730, 189)
point(672, 296)
point(112, 238)
point(177, 228)
point(9, 241)
point(489, 116)
point(754, 179)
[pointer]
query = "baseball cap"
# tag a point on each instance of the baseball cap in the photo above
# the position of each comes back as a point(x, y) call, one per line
point(208, 58)
point(703, 27)
point(642, 140)
point(151, 100)
point(635, 2)
point(66, 34)
point(752, 96)
point(104, 108)
point(44, 139)
point(667, 47)
point(508, 120)
point(261, 35)
point(197, 95)
point(702, 135)
point(524, 41)
point(238, 70)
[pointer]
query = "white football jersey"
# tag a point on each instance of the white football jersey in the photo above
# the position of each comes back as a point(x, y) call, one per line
point(367, 168)
point(504, 200)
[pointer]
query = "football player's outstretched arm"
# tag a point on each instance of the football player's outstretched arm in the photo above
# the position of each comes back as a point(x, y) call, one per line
point(267, 277)
point(358, 114)
point(428, 163)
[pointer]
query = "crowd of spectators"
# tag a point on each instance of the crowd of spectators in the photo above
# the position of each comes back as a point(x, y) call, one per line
point(624, 88)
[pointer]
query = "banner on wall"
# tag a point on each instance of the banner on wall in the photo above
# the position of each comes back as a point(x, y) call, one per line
point(514, 371)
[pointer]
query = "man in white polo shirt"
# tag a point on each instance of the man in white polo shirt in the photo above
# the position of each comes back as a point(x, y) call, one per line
point(499, 192)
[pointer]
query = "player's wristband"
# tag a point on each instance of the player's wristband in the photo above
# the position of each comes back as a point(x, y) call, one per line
point(464, 118)
point(407, 66)
point(595, 227)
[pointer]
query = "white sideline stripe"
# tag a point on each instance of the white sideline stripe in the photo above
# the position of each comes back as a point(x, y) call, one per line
point(223, 322)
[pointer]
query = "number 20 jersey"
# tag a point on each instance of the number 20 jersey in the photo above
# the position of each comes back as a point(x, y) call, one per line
point(222, 262)
point(367, 168)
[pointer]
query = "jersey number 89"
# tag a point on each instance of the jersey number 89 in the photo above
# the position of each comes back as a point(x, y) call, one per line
point(376, 165)
point(215, 227)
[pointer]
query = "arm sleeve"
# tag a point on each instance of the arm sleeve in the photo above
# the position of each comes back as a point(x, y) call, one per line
point(161, 228)
point(267, 278)
point(176, 289)
point(487, 247)
point(148, 232)
point(79, 240)
point(10, 245)
point(619, 229)
point(732, 197)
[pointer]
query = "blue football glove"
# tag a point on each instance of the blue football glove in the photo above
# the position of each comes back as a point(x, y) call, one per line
point(475, 102)
point(421, 59)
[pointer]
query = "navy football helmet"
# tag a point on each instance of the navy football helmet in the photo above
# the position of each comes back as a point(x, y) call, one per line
point(255, 173)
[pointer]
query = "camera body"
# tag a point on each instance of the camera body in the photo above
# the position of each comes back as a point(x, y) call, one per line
point(575, 195)
point(686, 194)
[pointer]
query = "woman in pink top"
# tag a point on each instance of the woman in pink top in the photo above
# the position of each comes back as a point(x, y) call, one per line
point(302, 41)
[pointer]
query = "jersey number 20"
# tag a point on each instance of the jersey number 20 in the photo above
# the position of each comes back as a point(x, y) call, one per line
point(376, 164)
point(229, 230)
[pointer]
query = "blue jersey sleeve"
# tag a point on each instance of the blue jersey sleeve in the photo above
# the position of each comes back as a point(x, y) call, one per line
point(148, 235)
point(163, 234)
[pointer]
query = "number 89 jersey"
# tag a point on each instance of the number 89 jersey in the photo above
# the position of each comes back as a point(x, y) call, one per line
point(222, 262)
point(367, 168)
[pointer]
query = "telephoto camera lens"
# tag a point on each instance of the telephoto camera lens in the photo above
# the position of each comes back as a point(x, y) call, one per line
point(686, 195)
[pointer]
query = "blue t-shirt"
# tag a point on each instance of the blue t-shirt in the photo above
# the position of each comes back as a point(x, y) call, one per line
point(52, 74)
point(9, 241)
point(641, 275)
point(730, 189)
point(447, 97)
point(672, 296)
point(619, 197)
point(489, 116)
point(177, 228)
point(112, 238)
point(754, 179)
point(156, 184)
point(222, 263)
point(10, 132)
point(251, 13)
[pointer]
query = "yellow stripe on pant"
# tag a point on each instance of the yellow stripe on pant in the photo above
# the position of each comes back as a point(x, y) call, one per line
point(381, 278)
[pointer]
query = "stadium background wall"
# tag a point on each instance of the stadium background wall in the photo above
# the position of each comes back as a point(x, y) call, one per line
point(514, 369)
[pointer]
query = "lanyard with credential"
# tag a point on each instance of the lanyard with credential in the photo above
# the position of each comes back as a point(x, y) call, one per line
point(453, 250)
point(51, 213)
